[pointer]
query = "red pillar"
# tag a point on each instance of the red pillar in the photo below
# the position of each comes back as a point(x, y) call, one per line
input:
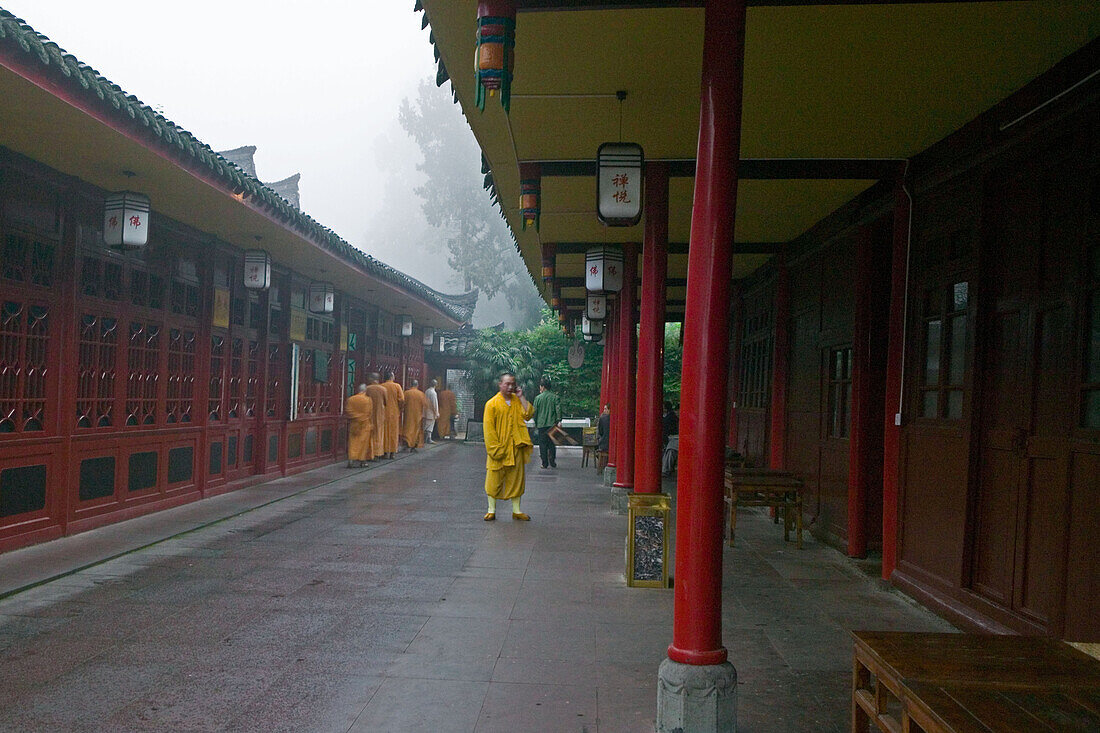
point(628, 367)
point(777, 439)
point(611, 346)
point(895, 365)
point(651, 336)
point(861, 383)
point(697, 620)
point(605, 370)
point(737, 308)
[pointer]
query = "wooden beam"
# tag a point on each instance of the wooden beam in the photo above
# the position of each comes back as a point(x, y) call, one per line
point(546, 6)
point(759, 169)
point(578, 282)
point(675, 248)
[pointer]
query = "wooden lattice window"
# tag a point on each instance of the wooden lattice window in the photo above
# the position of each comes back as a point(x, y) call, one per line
point(236, 378)
point(308, 389)
point(24, 336)
point(756, 362)
point(943, 368)
point(97, 364)
point(252, 385)
point(214, 407)
point(181, 375)
point(143, 380)
point(25, 259)
point(1090, 377)
point(839, 380)
point(275, 368)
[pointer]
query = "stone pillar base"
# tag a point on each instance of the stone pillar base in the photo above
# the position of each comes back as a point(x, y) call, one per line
point(608, 475)
point(620, 499)
point(696, 699)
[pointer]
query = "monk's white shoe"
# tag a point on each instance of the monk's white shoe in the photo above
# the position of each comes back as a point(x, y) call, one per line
point(520, 517)
point(490, 516)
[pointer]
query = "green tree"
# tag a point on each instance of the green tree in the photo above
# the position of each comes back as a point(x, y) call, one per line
point(674, 361)
point(478, 243)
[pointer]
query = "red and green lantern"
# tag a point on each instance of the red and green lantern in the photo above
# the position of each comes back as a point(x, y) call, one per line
point(494, 58)
point(530, 195)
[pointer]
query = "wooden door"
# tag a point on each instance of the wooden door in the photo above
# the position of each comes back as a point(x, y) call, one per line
point(1020, 505)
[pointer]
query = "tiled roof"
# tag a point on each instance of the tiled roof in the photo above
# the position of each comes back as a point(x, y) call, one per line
point(86, 82)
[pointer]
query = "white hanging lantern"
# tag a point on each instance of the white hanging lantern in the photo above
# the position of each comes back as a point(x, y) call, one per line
point(406, 326)
point(322, 296)
point(619, 184)
point(126, 220)
point(603, 269)
point(595, 307)
point(590, 327)
point(429, 337)
point(257, 269)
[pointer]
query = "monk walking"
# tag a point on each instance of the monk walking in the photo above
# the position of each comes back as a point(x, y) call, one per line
point(395, 400)
point(448, 408)
point(360, 412)
point(508, 445)
point(377, 394)
point(416, 404)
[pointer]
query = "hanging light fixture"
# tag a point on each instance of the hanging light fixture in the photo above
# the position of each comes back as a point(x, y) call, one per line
point(555, 298)
point(591, 328)
point(603, 269)
point(257, 269)
point(619, 184)
point(406, 326)
point(322, 296)
point(428, 337)
point(126, 220)
point(530, 195)
point(547, 263)
point(596, 307)
point(494, 58)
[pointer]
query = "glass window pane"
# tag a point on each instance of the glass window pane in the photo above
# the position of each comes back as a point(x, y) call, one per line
point(960, 296)
point(955, 404)
point(932, 352)
point(930, 408)
point(838, 366)
point(1090, 409)
point(1092, 347)
point(848, 367)
point(956, 368)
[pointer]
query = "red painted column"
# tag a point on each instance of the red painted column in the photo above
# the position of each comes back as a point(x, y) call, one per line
point(777, 434)
point(628, 367)
point(605, 370)
point(895, 365)
point(861, 382)
point(651, 336)
point(697, 620)
point(613, 382)
point(737, 307)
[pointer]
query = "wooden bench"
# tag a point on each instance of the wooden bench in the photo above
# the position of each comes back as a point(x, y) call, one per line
point(780, 490)
point(957, 683)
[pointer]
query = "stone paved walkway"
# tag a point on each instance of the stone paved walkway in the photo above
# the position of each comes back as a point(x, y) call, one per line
point(380, 601)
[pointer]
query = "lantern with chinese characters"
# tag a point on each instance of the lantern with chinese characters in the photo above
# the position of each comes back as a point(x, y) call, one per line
point(530, 194)
point(428, 338)
point(591, 328)
point(406, 326)
point(126, 220)
point(321, 297)
point(619, 184)
point(257, 269)
point(595, 307)
point(495, 54)
point(603, 269)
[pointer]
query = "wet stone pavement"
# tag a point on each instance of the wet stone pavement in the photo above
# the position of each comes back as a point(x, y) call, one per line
point(378, 600)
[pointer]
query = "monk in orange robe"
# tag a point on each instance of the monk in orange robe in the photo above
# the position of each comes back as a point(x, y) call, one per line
point(377, 394)
point(416, 402)
point(395, 400)
point(507, 446)
point(360, 412)
point(448, 408)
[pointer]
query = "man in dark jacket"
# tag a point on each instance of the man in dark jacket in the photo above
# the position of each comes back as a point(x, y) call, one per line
point(603, 438)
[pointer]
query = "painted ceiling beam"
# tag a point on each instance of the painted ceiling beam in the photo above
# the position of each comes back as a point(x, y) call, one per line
point(674, 248)
point(546, 6)
point(578, 282)
point(758, 169)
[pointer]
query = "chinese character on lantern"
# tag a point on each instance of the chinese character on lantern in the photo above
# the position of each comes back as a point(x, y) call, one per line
point(619, 184)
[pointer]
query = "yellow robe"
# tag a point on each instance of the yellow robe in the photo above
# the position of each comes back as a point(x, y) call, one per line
point(377, 396)
point(395, 398)
point(448, 406)
point(360, 412)
point(416, 402)
point(507, 445)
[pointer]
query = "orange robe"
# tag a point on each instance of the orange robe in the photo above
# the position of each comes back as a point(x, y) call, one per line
point(395, 398)
point(360, 412)
point(377, 396)
point(507, 446)
point(448, 408)
point(416, 402)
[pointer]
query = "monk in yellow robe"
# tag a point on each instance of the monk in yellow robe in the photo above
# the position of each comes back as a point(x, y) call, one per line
point(395, 400)
point(360, 412)
point(416, 402)
point(508, 445)
point(448, 408)
point(377, 394)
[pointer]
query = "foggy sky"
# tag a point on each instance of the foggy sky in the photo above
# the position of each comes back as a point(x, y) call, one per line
point(316, 86)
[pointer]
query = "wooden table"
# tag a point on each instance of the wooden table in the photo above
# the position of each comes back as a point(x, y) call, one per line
point(780, 490)
point(941, 683)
